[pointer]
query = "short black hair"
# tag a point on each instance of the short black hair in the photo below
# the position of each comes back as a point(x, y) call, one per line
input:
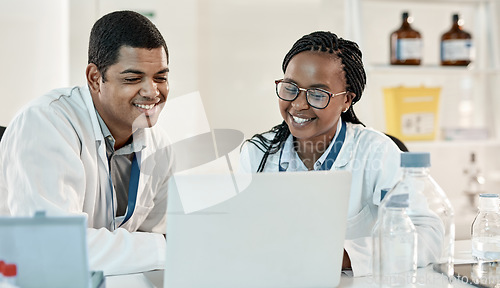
point(117, 29)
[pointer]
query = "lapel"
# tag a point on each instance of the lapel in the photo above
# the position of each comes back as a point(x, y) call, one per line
point(146, 161)
point(345, 154)
point(99, 138)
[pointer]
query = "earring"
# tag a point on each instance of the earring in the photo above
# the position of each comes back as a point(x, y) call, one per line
point(345, 109)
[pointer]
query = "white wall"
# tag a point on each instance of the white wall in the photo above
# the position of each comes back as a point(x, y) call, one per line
point(82, 15)
point(34, 51)
point(231, 51)
point(241, 49)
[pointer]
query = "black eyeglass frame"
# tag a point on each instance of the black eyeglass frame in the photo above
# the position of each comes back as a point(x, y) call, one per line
point(277, 82)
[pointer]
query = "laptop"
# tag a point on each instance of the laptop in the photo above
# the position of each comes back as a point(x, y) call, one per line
point(276, 230)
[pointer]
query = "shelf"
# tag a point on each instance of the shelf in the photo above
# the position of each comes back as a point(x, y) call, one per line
point(428, 69)
point(434, 1)
point(464, 88)
point(456, 143)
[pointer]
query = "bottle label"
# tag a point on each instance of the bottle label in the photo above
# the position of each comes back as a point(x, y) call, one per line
point(409, 48)
point(486, 248)
point(456, 50)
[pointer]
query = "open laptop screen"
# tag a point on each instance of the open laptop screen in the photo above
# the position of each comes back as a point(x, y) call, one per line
point(281, 230)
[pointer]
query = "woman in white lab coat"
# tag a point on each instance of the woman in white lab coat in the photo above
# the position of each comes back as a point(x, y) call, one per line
point(323, 78)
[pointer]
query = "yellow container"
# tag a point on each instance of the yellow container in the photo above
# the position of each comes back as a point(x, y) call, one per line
point(411, 113)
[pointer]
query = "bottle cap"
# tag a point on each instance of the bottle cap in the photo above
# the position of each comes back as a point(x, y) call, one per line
point(398, 201)
point(2, 265)
point(488, 202)
point(405, 14)
point(455, 17)
point(415, 159)
point(10, 270)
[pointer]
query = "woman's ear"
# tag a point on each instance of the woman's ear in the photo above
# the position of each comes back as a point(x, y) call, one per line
point(348, 101)
point(93, 78)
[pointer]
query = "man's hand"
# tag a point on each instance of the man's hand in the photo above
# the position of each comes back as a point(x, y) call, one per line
point(346, 261)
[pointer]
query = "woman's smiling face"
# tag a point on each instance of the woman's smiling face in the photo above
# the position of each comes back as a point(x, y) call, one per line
point(312, 69)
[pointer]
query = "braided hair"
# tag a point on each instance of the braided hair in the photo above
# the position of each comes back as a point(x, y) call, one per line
point(355, 75)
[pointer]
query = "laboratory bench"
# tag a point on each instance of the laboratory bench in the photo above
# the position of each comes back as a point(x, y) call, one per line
point(426, 277)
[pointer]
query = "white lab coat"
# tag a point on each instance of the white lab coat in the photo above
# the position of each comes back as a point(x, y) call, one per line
point(374, 161)
point(53, 158)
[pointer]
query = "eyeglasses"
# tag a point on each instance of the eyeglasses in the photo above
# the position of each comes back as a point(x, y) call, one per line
point(315, 97)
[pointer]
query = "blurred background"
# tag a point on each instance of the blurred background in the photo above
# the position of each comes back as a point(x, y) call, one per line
point(231, 52)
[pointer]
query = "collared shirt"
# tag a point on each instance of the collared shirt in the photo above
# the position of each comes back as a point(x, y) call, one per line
point(120, 163)
point(373, 159)
point(290, 160)
point(72, 177)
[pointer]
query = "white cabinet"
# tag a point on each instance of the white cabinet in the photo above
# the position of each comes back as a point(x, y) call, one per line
point(469, 95)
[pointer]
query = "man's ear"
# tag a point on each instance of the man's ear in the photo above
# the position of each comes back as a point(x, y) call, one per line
point(93, 78)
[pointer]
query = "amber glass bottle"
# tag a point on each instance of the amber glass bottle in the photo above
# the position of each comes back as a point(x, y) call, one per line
point(456, 45)
point(406, 44)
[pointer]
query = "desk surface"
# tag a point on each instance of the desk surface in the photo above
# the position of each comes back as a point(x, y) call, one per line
point(425, 276)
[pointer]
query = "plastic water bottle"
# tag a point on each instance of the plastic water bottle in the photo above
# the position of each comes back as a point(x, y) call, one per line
point(376, 244)
point(398, 243)
point(486, 229)
point(429, 210)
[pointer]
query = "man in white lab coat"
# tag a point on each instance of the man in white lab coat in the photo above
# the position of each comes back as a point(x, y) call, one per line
point(95, 150)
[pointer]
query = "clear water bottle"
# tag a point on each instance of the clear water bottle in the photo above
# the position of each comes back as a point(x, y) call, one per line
point(486, 229)
point(430, 212)
point(376, 243)
point(398, 243)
